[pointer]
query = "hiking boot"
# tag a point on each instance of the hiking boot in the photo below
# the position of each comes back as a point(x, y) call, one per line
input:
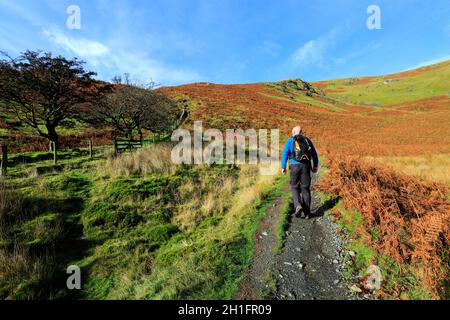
point(299, 212)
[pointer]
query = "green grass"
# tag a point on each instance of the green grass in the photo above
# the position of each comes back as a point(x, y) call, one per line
point(302, 98)
point(154, 236)
point(380, 91)
point(69, 127)
point(275, 191)
point(124, 234)
point(46, 232)
point(193, 264)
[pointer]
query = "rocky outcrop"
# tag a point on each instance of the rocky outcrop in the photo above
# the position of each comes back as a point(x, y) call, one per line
point(298, 85)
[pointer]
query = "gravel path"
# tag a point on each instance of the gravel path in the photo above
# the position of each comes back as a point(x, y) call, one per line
point(311, 262)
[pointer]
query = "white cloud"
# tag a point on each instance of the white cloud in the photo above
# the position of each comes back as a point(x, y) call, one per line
point(144, 68)
point(81, 47)
point(313, 52)
point(110, 60)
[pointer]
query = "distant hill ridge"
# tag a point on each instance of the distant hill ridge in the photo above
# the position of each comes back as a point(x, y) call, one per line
point(399, 114)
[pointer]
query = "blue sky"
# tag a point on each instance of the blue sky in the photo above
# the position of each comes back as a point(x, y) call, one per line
point(232, 41)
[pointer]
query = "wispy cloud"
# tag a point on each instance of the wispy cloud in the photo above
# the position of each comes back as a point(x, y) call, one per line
point(430, 62)
point(21, 11)
point(175, 42)
point(357, 53)
point(80, 46)
point(314, 52)
point(113, 59)
point(270, 48)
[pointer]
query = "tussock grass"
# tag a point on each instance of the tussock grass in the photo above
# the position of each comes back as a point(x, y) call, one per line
point(14, 257)
point(209, 263)
point(20, 268)
point(174, 236)
point(197, 206)
point(152, 230)
point(38, 232)
point(146, 161)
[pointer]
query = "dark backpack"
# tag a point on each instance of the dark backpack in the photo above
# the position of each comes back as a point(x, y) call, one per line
point(302, 149)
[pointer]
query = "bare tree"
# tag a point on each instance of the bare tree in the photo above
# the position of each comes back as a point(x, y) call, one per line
point(125, 79)
point(44, 92)
point(131, 109)
point(117, 80)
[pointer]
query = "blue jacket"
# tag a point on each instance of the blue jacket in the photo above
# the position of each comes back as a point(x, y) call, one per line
point(288, 151)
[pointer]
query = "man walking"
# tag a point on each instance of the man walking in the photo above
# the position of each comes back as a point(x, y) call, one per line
point(300, 150)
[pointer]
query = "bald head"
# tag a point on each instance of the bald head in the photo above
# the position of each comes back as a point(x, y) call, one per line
point(297, 130)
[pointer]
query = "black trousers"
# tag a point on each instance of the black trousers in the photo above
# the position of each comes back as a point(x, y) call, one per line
point(301, 186)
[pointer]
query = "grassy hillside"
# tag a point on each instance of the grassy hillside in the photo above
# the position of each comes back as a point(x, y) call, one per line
point(412, 121)
point(140, 227)
point(424, 83)
point(401, 122)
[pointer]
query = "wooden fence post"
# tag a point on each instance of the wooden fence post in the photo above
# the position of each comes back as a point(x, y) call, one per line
point(90, 148)
point(4, 164)
point(55, 153)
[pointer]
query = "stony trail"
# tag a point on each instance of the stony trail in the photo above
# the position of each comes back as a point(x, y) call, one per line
point(312, 259)
point(310, 264)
